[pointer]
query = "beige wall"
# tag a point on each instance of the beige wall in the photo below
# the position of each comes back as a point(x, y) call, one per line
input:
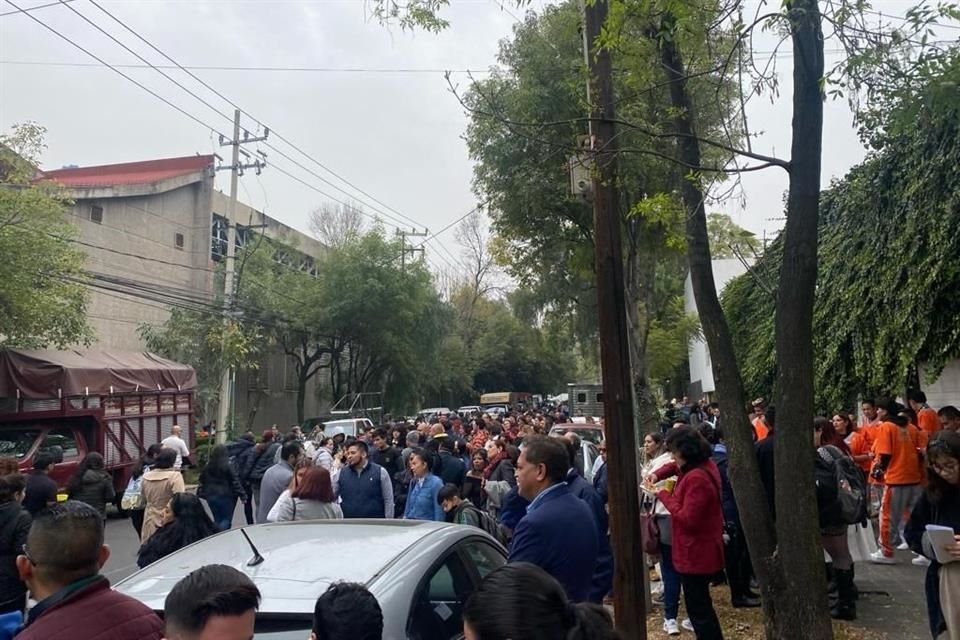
point(136, 241)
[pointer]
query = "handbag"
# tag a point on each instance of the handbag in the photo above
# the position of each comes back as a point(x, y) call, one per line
point(132, 499)
point(649, 530)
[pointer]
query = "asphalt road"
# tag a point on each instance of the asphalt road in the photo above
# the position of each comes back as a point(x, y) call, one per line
point(124, 544)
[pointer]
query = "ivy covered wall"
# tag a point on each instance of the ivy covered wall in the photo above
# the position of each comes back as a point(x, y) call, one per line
point(888, 290)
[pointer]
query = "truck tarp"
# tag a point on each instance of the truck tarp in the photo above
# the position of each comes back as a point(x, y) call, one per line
point(51, 374)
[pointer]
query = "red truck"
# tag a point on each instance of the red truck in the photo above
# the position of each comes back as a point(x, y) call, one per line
point(69, 403)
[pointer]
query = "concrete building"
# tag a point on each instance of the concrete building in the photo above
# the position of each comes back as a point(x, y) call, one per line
point(153, 233)
point(701, 368)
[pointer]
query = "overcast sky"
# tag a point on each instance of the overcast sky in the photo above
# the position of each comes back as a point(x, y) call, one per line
point(397, 136)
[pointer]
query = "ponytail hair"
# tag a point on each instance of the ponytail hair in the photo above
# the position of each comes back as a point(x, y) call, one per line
point(520, 601)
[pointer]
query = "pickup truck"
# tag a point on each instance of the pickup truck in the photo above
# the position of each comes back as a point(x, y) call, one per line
point(69, 403)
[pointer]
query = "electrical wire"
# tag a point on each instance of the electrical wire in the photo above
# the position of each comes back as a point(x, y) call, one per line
point(259, 122)
point(194, 67)
point(34, 8)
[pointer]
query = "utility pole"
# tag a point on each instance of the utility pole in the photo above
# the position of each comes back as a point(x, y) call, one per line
point(630, 573)
point(236, 170)
point(403, 235)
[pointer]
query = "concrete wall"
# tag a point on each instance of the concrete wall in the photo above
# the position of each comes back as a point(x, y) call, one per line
point(136, 240)
point(946, 389)
point(701, 372)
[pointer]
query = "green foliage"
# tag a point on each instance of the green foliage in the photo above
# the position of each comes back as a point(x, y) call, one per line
point(669, 341)
point(889, 267)
point(42, 298)
point(729, 240)
point(209, 345)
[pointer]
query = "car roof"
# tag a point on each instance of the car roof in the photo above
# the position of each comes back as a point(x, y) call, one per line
point(577, 426)
point(350, 550)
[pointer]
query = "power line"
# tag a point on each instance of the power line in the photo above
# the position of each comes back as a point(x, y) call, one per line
point(39, 6)
point(118, 71)
point(249, 69)
point(259, 122)
point(148, 90)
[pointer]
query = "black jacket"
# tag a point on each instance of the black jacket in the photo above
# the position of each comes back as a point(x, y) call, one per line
point(945, 513)
point(767, 475)
point(504, 471)
point(96, 489)
point(41, 490)
point(169, 538)
point(14, 527)
point(390, 459)
point(220, 482)
point(452, 470)
point(262, 461)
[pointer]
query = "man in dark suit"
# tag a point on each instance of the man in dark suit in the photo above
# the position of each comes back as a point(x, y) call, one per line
point(603, 570)
point(558, 533)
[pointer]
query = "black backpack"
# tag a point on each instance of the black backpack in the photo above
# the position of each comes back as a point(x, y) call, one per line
point(851, 486)
point(489, 524)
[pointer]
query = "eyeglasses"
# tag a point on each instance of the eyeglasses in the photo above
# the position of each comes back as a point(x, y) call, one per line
point(26, 554)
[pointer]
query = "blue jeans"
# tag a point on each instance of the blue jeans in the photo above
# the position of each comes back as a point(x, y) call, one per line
point(222, 509)
point(671, 583)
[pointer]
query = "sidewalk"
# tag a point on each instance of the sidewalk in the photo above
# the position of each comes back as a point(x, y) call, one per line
point(891, 599)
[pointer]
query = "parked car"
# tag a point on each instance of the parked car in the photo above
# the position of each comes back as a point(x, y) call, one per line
point(352, 427)
point(432, 412)
point(468, 411)
point(589, 432)
point(420, 572)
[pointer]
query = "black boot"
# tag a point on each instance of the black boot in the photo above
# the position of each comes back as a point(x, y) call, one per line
point(846, 607)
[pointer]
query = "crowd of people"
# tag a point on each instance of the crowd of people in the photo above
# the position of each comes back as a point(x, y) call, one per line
point(881, 483)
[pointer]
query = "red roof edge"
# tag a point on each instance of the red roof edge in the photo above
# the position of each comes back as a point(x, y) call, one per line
point(143, 172)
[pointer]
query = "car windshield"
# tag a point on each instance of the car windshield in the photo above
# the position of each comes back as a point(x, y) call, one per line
point(17, 442)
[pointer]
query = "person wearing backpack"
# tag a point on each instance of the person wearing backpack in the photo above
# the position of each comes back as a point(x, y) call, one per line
point(835, 515)
point(462, 511)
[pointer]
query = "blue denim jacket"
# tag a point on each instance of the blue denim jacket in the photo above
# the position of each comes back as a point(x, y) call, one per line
point(422, 500)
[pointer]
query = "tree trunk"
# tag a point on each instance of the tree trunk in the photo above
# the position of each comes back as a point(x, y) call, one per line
point(756, 520)
point(301, 391)
point(797, 522)
point(640, 270)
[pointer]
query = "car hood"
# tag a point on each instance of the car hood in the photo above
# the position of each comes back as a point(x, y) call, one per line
point(301, 559)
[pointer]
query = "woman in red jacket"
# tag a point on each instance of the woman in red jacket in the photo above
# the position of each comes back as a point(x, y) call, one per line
point(695, 505)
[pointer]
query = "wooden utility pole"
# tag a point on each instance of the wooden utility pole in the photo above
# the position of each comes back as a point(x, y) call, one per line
point(629, 570)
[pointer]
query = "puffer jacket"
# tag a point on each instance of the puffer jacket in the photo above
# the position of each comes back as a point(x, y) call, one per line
point(96, 489)
point(92, 612)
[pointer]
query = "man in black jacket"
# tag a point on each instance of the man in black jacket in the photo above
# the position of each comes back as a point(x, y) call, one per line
point(41, 490)
point(384, 455)
point(452, 470)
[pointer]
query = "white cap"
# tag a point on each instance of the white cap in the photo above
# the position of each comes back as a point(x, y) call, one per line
point(337, 431)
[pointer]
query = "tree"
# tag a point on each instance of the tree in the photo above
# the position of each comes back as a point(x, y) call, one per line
point(335, 224)
point(729, 240)
point(903, 201)
point(524, 119)
point(787, 556)
point(202, 340)
point(43, 298)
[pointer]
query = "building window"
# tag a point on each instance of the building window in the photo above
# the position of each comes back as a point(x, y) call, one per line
point(178, 241)
point(581, 397)
point(96, 214)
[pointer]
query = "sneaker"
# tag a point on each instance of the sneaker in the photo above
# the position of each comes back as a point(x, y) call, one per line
point(671, 628)
point(903, 546)
point(686, 624)
point(920, 561)
point(877, 557)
